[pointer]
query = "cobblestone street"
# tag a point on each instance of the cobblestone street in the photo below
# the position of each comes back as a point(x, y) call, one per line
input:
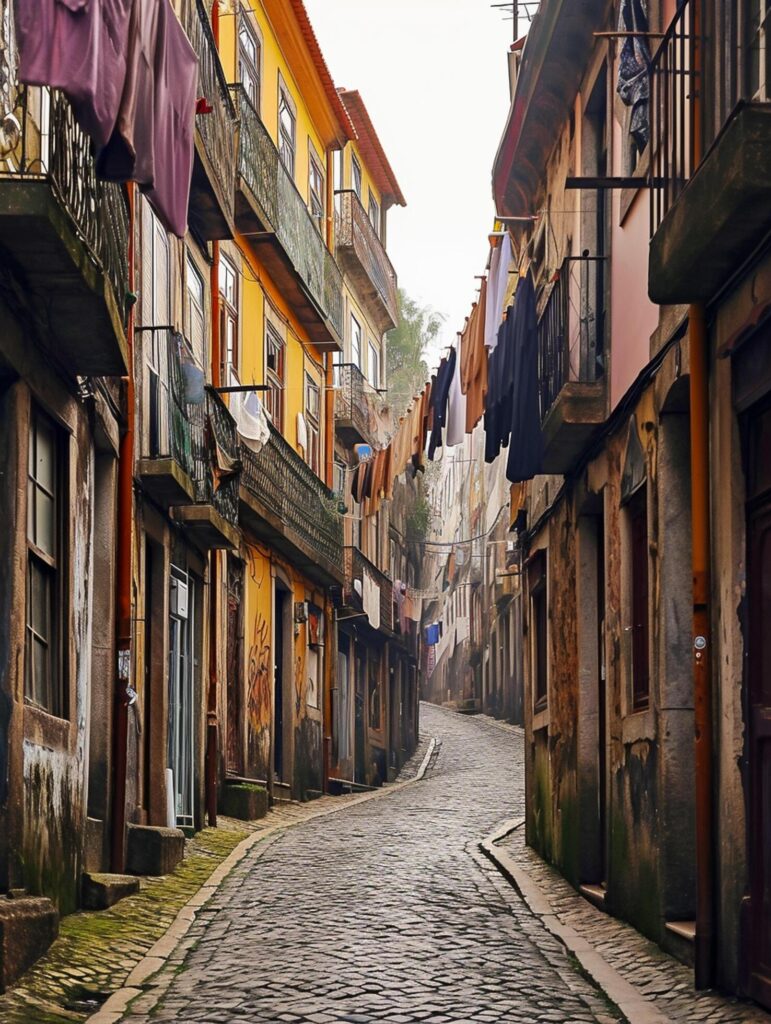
point(385, 911)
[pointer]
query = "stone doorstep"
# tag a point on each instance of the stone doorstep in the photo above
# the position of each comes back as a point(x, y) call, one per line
point(630, 1001)
point(100, 891)
point(152, 850)
point(28, 926)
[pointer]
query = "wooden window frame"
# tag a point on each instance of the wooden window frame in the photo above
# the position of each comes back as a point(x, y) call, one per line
point(539, 618)
point(254, 67)
point(287, 141)
point(275, 376)
point(53, 566)
point(373, 208)
point(357, 179)
point(316, 195)
point(372, 349)
point(354, 324)
point(192, 273)
point(313, 423)
point(229, 325)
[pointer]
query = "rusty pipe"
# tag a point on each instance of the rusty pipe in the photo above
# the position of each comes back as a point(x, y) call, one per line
point(125, 517)
point(702, 676)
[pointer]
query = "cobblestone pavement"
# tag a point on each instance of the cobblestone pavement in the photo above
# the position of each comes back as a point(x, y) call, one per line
point(666, 982)
point(386, 912)
point(95, 952)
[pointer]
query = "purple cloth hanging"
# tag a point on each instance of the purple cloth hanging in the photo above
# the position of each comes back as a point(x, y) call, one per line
point(176, 84)
point(78, 46)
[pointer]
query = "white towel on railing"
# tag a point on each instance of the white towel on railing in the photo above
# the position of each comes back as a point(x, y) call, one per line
point(302, 432)
point(370, 599)
point(251, 421)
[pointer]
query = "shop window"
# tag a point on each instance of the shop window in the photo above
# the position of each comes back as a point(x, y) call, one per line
point(44, 675)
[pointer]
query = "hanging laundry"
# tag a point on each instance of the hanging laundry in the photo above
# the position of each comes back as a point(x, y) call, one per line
point(251, 420)
point(176, 84)
point(497, 284)
point(370, 598)
point(432, 634)
point(439, 397)
point(634, 68)
point(302, 432)
point(526, 446)
point(473, 359)
point(456, 410)
point(80, 47)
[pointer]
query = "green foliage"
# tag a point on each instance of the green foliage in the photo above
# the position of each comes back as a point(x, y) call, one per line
point(406, 350)
point(418, 519)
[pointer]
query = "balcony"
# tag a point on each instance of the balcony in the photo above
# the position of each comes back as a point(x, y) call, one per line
point(361, 253)
point(62, 230)
point(212, 189)
point(355, 413)
point(284, 503)
point(272, 214)
point(571, 333)
point(356, 565)
point(710, 146)
point(190, 455)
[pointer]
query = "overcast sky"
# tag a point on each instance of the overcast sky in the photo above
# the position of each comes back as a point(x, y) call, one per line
point(434, 77)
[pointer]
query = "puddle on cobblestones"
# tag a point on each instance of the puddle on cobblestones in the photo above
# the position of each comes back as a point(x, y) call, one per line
point(85, 1000)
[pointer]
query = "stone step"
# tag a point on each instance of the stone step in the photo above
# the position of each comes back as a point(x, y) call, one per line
point(153, 850)
point(28, 926)
point(100, 891)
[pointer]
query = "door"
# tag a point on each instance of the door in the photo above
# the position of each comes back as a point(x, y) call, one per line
point(181, 748)
point(360, 728)
point(759, 592)
point(278, 686)
point(601, 702)
point(234, 663)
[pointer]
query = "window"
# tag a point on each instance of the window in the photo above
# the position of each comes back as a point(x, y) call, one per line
point(43, 670)
point(156, 271)
point(339, 478)
point(249, 63)
point(274, 375)
point(638, 549)
point(286, 130)
point(355, 341)
point(195, 313)
point(312, 406)
point(758, 49)
point(539, 620)
point(356, 175)
point(374, 365)
point(375, 697)
point(374, 214)
point(316, 190)
point(228, 279)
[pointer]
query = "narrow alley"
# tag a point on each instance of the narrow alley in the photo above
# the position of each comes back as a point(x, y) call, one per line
point(384, 912)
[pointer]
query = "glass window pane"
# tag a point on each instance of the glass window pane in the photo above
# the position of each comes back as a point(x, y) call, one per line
point(45, 453)
point(45, 526)
point(38, 599)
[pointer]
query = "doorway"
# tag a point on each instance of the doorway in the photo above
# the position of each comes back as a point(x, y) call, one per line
point(759, 711)
point(234, 665)
point(278, 684)
point(181, 745)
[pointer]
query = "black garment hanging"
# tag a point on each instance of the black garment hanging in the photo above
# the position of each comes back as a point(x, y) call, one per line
point(526, 448)
point(438, 402)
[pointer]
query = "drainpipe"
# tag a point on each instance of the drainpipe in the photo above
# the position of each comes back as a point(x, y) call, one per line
point(211, 701)
point(125, 515)
point(702, 681)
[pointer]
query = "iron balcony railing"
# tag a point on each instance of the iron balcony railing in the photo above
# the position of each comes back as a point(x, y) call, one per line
point(199, 435)
point(286, 485)
point(217, 123)
point(286, 214)
point(356, 233)
point(571, 329)
point(45, 143)
point(354, 400)
point(356, 564)
point(714, 55)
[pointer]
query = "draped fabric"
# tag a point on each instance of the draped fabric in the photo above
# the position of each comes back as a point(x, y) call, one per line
point(439, 398)
point(473, 361)
point(633, 68)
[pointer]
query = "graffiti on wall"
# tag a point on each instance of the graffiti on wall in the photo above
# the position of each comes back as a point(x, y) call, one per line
point(259, 694)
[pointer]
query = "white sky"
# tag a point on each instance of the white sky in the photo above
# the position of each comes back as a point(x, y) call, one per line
point(434, 77)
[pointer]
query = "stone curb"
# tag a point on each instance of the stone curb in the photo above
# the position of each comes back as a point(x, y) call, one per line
point(156, 958)
point(630, 1001)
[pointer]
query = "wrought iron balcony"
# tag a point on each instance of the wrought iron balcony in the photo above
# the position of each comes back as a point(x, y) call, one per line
point(355, 413)
point(286, 504)
point(359, 248)
point(190, 453)
point(356, 565)
point(571, 376)
point(710, 146)
point(212, 190)
point(273, 215)
point(65, 230)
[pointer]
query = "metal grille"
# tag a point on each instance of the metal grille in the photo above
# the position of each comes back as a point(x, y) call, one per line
point(286, 214)
point(218, 126)
point(714, 55)
point(282, 482)
point(354, 400)
point(355, 565)
point(50, 146)
point(355, 231)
